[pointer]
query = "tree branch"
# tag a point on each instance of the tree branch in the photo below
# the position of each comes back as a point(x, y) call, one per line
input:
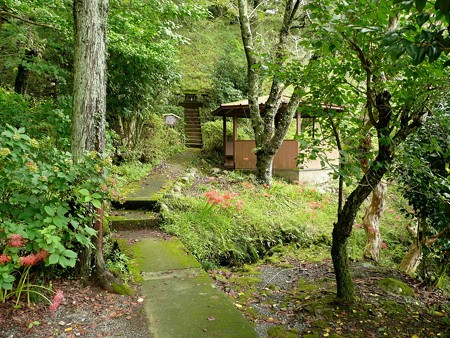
point(3, 13)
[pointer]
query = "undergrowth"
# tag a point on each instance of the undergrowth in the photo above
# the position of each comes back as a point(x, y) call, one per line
point(228, 220)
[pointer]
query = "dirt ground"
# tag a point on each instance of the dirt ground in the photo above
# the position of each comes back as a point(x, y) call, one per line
point(296, 299)
point(287, 299)
point(84, 312)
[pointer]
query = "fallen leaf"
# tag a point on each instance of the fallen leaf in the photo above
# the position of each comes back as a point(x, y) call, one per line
point(211, 318)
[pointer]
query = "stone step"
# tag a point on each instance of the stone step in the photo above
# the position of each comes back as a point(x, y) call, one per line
point(137, 203)
point(194, 133)
point(194, 138)
point(133, 220)
point(192, 124)
point(193, 145)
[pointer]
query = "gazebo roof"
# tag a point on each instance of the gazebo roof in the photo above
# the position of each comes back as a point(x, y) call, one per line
point(242, 111)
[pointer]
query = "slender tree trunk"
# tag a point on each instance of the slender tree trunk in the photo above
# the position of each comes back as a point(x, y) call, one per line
point(342, 230)
point(268, 136)
point(23, 73)
point(413, 257)
point(339, 253)
point(371, 222)
point(88, 116)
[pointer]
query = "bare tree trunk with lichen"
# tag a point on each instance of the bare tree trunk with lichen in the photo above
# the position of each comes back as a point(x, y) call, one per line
point(371, 222)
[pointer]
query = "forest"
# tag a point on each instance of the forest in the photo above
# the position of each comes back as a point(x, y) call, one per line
point(85, 88)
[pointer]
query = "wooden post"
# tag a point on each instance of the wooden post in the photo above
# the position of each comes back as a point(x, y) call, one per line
point(224, 119)
point(235, 126)
point(299, 123)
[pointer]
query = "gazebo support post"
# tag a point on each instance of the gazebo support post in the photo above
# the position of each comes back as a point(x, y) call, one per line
point(224, 120)
point(235, 126)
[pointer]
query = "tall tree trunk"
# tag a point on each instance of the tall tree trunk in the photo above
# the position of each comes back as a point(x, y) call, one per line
point(89, 108)
point(264, 167)
point(371, 222)
point(23, 73)
point(89, 89)
point(342, 230)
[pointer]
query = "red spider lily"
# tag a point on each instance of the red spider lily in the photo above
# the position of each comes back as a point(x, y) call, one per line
point(42, 255)
point(213, 197)
point(33, 259)
point(314, 205)
point(239, 205)
point(16, 240)
point(56, 302)
point(29, 260)
point(4, 259)
point(248, 185)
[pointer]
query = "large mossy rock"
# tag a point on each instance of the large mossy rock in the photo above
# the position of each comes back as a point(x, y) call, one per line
point(396, 287)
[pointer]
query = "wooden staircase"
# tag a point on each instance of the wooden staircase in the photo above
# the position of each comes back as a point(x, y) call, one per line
point(192, 124)
point(192, 128)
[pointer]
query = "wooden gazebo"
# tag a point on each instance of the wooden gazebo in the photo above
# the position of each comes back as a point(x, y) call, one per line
point(238, 154)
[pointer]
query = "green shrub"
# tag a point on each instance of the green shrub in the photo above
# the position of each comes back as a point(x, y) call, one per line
point(47, 205)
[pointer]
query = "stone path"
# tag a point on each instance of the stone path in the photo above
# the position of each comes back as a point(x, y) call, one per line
point(180, 298)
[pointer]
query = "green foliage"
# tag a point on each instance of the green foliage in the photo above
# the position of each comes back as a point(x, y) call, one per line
point(47, 204)
point(206, 49)
point(156, 141)
point(229, 77)
point(423, 173)
point(427, 22)
point(47, 120)
point(142, 64)
point(50, 42)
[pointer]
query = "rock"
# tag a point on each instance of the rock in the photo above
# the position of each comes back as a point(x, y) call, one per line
point(176, 188)
point(395, 286)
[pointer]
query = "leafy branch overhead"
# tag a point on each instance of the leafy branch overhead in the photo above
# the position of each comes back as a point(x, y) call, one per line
point(429, 24)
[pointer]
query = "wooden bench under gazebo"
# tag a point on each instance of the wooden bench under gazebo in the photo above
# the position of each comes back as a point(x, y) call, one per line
point(239, 154)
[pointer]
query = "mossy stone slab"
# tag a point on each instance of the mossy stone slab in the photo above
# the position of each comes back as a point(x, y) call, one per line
point(181, 300)
point(190, 307)
point(157, 254)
